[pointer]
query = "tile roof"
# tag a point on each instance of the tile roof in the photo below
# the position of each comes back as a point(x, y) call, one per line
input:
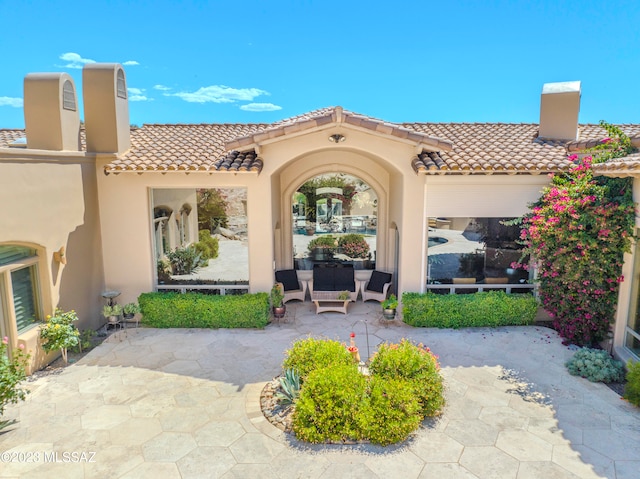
point(462, 148)
point(338, 115)
point(486, 148)
point(187, 148)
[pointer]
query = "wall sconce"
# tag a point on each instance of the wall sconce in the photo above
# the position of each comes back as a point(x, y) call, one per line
point(60, 256)
point(337, 138)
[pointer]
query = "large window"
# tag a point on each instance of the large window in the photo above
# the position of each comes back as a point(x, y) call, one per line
point(632, 330)
point(335, 221)
point(469, 251)
point(200, 239)
point(19, 295)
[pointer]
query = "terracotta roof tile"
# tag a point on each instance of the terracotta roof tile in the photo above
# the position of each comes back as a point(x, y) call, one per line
point(463, 148)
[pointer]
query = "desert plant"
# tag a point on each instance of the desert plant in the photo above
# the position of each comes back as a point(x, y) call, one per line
point(12, 372)
point(289, 387)
point(111, 310)
point(344, 295)
point(329, 404)
point(58, 332)
point(632, 388)
point(415, 364)
point(309, 354)
point(595, 365)
point(185, 260)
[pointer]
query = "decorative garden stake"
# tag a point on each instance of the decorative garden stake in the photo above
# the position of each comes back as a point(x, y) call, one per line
point(353, 349)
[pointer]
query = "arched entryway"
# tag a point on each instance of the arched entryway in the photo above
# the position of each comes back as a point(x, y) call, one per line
point(371, 179)
point(335, 220)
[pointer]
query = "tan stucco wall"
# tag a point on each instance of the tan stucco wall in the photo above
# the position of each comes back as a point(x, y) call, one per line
point(126, 225)
point(482, 195)
point(50, 203)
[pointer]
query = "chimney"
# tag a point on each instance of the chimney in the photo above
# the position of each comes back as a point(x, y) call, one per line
point(51, 114)
point(106, 108)
point(559, 108)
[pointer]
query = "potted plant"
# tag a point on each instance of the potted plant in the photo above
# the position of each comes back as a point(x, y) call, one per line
point(112, 313)
point(130, 310)
point(277, 301)
point(344, 295)
point(389, 307)
point(322, 247)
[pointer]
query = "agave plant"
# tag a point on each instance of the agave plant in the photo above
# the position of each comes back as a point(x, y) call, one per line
point(289, 387)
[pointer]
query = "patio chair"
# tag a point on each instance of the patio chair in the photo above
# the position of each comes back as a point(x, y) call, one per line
point(292, 287)
point(377, 287)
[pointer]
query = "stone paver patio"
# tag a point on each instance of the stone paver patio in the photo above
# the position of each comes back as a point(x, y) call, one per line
point(185, 404)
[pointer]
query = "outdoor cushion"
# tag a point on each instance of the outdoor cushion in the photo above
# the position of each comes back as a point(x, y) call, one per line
point(324, 279)
point(289, 279)
point(344, 279)
point(378, 280)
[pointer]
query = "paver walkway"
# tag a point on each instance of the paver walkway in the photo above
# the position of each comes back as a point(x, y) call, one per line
point(185, 404)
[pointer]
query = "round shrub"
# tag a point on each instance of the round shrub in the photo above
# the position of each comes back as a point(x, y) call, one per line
point(354, 245)
point(391, 413)
point(329, 405)
point(596, 365)
point(632, 388)
point(309, 354)
point(416, 364)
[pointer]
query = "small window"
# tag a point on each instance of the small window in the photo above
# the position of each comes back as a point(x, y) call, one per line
point(19, 269)
point(121, 85)
point(68, 96)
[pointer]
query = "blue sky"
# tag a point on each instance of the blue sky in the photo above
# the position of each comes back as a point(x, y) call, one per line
point(259, 61)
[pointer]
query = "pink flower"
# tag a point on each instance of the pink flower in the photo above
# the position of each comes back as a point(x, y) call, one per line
point(605, 141)
point(5, 340)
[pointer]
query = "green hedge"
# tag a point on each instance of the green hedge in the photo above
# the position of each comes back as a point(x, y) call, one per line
point(193, 310)
point(492, 308)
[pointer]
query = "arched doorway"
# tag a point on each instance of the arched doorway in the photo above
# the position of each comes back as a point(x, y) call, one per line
point(334, 220)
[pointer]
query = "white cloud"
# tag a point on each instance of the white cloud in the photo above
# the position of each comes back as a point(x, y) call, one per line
point(11, 101)
point(161, 87)
point(260, 107)
point(75, 60)
point(219, 94)
point(138, 94)
point(130, 63)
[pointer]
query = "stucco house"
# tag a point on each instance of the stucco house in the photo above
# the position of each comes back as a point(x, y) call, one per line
point(97, 206)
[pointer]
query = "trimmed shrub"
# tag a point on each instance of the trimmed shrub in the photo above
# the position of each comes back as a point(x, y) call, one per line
point(354, 245)
point(329, 405)
point(307, 355)
point(391, 412)
point(596, 365)
point(632, 388)
point(194, 310)
point(207, 246)
point(491, 308)
point(416, 365)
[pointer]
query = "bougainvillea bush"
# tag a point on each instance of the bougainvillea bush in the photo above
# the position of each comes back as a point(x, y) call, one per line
point(577, 232)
